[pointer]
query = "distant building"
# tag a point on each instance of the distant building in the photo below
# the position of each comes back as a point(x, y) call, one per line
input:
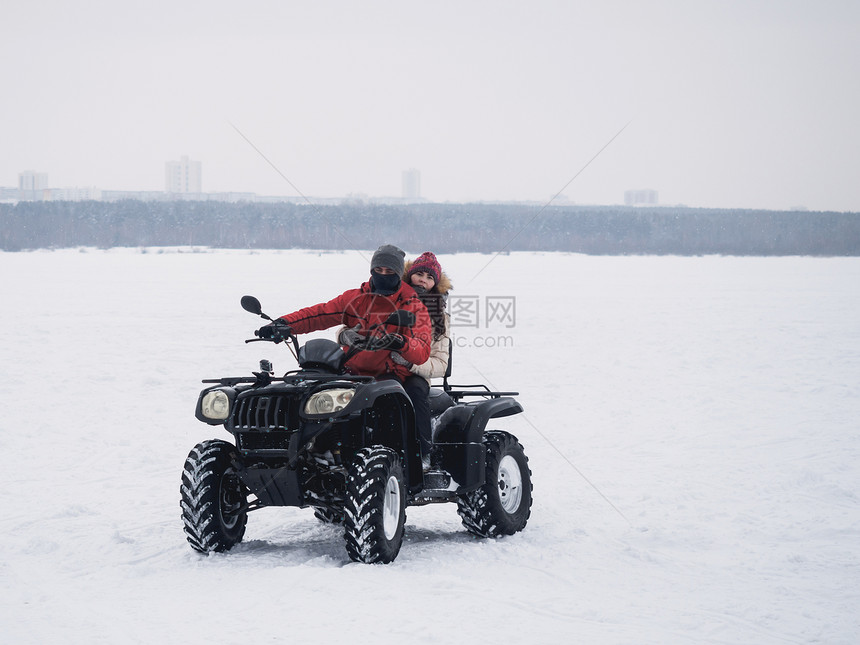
point(32, 185)
point(9, 195)
point(640, 197)
point(411, 184)
point(183, 176)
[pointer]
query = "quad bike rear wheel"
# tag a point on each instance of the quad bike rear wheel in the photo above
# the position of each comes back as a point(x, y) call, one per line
point(503, 504)
point(213, 498)
point(375, 508)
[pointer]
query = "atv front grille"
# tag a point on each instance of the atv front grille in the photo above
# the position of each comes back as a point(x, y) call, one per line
point(266, 412)
point(263, 440)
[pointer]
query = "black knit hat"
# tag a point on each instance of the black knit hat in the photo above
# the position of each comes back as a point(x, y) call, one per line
point(390, 257)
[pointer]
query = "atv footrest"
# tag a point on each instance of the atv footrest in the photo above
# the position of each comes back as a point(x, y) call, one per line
point(439, 487)
point(438, 480)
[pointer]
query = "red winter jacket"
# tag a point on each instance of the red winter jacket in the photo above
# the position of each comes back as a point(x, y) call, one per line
point(363, 307)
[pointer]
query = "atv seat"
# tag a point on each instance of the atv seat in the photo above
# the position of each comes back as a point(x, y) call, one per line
point(439, 401)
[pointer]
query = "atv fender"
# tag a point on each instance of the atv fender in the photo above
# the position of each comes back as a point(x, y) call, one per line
point(397, 419)
point(504, 406)
point(458, 439)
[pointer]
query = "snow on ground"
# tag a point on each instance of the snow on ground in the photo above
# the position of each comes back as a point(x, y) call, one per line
point(691, 425)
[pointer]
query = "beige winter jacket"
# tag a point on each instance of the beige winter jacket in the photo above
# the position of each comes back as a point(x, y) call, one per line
point(436, 365)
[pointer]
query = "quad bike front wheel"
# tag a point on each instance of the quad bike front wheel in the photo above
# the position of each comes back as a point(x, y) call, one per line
point(503, 504)
point(375, 508)
point(213, 498)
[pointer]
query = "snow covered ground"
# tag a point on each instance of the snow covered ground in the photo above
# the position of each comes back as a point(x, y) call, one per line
point(691, 423)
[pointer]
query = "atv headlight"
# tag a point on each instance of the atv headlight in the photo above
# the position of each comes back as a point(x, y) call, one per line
point(329, 401)
point(215, 405)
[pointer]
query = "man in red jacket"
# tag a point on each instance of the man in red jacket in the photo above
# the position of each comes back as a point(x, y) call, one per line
point(360, 309)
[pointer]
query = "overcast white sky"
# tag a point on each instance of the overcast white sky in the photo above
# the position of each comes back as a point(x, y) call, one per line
point(752, 103)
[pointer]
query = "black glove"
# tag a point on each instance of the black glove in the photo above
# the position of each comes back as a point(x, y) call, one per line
point(393, 342)
point(350, 336)
point(278, 328)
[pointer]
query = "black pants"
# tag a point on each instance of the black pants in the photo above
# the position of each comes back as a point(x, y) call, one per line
point(418, 390)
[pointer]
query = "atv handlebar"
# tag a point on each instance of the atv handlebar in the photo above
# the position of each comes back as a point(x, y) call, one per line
point(276, 333)
point(285, 334)
point(278, 330)
point(375, 344)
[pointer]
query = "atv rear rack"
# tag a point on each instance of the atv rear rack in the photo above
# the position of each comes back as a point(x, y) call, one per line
point(483, 390)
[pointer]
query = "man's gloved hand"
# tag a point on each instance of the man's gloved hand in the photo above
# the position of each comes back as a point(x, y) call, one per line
point(393, 342)
point(276, 328)
point(350, 336)
point(398, 358)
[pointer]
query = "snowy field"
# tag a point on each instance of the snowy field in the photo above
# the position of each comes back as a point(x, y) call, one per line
point(692, 426)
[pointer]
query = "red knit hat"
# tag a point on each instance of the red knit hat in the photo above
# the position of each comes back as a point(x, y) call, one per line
point(426, 262)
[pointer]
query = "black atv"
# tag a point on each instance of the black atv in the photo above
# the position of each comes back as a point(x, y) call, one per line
point(347, 446)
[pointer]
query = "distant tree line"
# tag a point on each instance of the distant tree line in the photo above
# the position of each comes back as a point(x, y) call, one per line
point(445, 228)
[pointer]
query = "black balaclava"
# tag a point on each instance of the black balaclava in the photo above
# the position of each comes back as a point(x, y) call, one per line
point(390, 257)
point(384, 285)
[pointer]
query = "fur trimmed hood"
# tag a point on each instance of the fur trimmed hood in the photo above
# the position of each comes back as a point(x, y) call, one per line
point(442, 287)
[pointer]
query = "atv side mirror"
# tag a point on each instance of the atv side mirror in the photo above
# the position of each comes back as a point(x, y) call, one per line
point(252, 305)
point(401, 318)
